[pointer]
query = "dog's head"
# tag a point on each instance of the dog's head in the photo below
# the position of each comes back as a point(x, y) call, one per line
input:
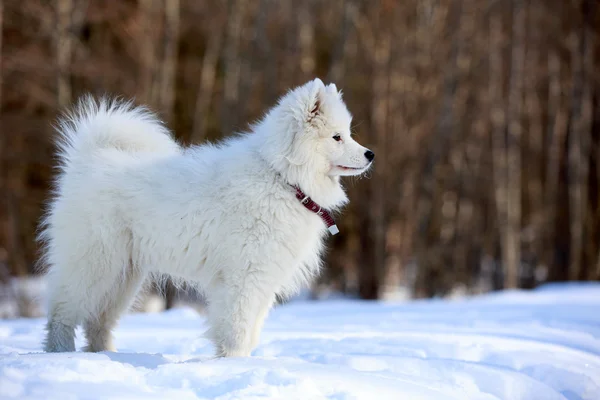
point(309, 133)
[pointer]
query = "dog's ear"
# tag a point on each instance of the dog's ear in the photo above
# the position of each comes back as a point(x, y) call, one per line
point(316, 98)
point(332, 89)
point(316, 108)
point(317, 83)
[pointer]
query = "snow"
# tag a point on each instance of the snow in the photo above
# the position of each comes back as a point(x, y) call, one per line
point(541, 344)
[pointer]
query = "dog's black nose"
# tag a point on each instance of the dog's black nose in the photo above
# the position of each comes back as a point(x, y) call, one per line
point(369, 155)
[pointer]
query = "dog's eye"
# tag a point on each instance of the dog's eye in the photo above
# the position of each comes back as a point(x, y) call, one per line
point(337, 138)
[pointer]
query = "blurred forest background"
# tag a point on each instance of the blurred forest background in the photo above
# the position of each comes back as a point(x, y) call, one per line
point(484, 114)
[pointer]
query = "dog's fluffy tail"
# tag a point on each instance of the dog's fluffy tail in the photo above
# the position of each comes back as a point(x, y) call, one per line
point(111, 124)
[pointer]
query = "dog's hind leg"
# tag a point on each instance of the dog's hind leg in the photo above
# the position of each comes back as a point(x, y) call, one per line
point(62, 319)
point(64, 310)
point(98, 327)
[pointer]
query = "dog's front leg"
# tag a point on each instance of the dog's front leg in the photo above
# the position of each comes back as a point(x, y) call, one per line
point(259, 321)
point(236, 315)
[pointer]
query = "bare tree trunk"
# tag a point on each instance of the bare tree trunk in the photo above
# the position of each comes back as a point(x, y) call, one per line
point(575, 186)
point(15, 191)
point(372, 266)
point(207, 83)
point(337, 69)
point(498, 119)
point(63, 51)
point(435, 20)
point(590, 211)
point(148, 75)
point(4, 230)
point(306, 39)
point(463, 228)
point(288, 53)
point(231, 78)
point(16, 249)
point(264, 49)
point(398, 232)
point(249, 67)
point(169, 65)
point(484, 234)
point(512, 248)
point(79, 13)
point(535, 132)
point(557, 130)
point(1, 69)
point(595, 273)
point(579, 143)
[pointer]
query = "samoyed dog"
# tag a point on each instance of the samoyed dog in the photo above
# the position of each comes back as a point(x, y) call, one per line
point(243, 220)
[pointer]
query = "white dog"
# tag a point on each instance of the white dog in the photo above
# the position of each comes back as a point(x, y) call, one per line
point(243, 220)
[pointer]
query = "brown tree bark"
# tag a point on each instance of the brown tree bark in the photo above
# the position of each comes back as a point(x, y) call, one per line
point(372, 264)
point(579, 141)
point(512, 248)
point(149, 81)
point(557, 131)
point(498, 120)
point(64, 42)
point(339, 51)
point(4, 231)
point(231, 79)
point(207, 82)
point(264, 47)
point(535, 72)
point(1, 66)
point(169, 64)
point(306, 39)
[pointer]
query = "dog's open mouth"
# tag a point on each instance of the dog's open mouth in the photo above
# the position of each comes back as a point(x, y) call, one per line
point(350, 168)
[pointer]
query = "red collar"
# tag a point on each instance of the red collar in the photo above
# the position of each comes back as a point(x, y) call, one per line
point(314, 207)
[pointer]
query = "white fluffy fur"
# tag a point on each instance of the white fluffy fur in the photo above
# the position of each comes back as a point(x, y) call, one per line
point(129, 202)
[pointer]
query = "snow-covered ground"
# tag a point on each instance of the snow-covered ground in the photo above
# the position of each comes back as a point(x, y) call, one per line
point(542, 345)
